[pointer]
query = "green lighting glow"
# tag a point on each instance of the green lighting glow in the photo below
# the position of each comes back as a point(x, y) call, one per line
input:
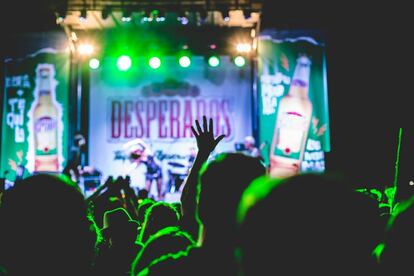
point(214, 61)
point(124, 62)
point(239, 61)
point(184, 61)
point(94, 63)
point(154, 62)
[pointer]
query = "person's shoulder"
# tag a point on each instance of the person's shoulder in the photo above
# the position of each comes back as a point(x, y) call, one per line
point(183, 262)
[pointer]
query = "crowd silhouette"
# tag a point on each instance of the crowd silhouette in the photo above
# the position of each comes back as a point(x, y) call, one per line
point(232, 219)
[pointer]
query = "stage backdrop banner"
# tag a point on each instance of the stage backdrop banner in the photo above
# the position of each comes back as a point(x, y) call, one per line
point(158, 107)
point(35, 118)
point(278, 56)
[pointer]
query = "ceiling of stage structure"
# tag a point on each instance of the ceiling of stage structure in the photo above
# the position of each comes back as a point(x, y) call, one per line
point(97, 15)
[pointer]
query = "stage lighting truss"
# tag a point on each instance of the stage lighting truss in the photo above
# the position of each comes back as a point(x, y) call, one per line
point(204, 12)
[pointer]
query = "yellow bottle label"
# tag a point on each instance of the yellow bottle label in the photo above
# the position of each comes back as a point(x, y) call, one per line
point(45, 129)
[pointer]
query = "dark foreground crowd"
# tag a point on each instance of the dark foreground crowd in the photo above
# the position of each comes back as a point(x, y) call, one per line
point(232, 219)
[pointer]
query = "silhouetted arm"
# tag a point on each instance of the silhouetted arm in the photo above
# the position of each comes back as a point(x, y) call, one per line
point(206, 143)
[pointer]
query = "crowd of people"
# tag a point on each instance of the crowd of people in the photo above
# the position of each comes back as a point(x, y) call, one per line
point(232, 219)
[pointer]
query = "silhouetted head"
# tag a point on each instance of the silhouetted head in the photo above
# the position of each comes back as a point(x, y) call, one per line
point(307, 224)
point(45, 228)
point(158, 216)
point(221, 184)
point(119, 227)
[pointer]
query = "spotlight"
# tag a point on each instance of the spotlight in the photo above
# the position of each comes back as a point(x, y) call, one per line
point(83, 15)
point(94, 63)
point(124, 62)
point(159, 15)
point(126, 15)
point(243, 47)
point(61, 14)
point(59, 18)
point(214, 61)
point(85, 49)
point(154, 62)
point(184, 61)
point(239, 61)
point(105, 12)
point(247, 13)
point(225, 14)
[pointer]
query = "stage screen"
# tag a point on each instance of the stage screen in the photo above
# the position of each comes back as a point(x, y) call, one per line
point(35, 117)
point(155, 108)
point(293, 100)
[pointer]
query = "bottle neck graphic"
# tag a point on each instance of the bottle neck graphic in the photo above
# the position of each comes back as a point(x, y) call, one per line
point(300, 82)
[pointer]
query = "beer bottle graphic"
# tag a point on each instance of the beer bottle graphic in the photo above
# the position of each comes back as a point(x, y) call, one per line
point(45, 118)
point(292, 124)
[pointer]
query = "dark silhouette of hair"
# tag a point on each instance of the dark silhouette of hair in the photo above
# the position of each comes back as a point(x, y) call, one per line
point(221, 184)
point(45, 228)
point(158, 216)
point(169, 240)
point(309, 224)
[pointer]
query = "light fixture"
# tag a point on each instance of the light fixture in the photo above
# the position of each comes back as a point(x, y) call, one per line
point(124, 62)
point(239, 61)
point(105, 12)
point(94, 63)
point(85, 49)
point(225, 14)
point(214, 61)
point(61, 14)
point(243, 47)
point(154, 62)
point(83, 15)
point(126, 15)
point(247, 13)
point(184, 61)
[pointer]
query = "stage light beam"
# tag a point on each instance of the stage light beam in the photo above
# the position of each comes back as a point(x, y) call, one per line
point(124, 62)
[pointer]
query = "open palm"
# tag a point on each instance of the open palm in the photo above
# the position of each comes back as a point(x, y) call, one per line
point(206, 142)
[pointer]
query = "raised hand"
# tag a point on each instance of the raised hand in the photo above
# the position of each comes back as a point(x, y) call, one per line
point(206, 142)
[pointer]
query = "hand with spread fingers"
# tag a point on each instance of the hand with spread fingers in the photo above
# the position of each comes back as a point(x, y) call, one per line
point(206, 142)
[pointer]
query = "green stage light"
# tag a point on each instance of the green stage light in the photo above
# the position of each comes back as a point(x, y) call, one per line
point(94, 63)
point(154, 62)
point(124, 62)
point(184, 61)
point(239, 61)
point(213, 61)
